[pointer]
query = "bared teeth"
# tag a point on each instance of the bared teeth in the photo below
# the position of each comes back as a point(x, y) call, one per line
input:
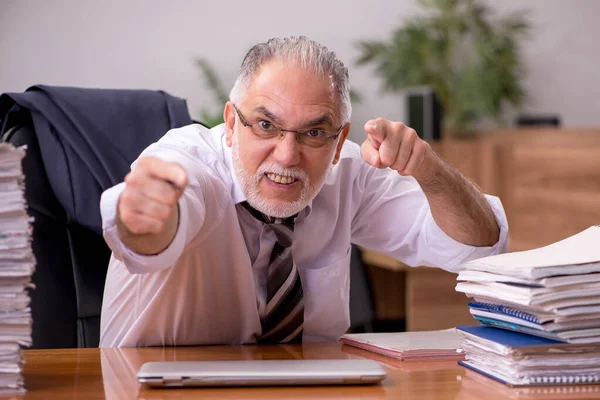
point(285, 180)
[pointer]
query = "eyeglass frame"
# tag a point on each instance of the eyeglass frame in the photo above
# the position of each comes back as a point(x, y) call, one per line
point(245, 123)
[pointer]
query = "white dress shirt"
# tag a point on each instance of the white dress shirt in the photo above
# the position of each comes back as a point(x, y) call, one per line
point(209, 285)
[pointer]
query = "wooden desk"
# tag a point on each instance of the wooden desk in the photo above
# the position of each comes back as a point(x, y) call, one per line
point(110, 373)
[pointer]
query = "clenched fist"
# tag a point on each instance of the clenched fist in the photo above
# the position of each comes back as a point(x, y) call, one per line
point(394, 145)
point(148, 203)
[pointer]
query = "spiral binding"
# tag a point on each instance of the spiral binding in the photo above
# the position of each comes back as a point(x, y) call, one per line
point(556, 390)
point(513, 312)
point(566, 379)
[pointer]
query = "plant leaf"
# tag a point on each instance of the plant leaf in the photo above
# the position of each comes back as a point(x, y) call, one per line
point(461, 49)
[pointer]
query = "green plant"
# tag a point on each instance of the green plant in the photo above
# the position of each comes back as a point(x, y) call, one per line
point(212, 81)
point(469, 57)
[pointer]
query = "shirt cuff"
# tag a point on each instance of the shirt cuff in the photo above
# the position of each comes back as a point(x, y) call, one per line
point(139, 263)
point(458, 253)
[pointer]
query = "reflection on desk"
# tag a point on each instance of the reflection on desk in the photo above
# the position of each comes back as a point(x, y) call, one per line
point(119, 368)
point(111, 374)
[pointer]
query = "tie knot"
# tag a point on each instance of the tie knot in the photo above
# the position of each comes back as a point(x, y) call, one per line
point(289, 221)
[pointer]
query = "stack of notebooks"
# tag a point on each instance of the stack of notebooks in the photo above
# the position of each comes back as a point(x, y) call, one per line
point(518, 359)
point(551, 292)
point(540, 311)
point(16, 267)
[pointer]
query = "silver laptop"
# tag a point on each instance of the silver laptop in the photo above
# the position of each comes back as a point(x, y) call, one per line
point(260, 373)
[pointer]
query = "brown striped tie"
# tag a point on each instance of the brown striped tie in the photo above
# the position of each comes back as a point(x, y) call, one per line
point(285, 308)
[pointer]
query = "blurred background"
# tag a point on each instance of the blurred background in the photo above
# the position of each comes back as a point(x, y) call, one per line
point(508, 91)
point(155, 44)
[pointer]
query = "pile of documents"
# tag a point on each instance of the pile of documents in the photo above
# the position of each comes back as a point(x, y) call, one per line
point(518, 359)
point(551, 292)
point(16, 267)
point(540, 313)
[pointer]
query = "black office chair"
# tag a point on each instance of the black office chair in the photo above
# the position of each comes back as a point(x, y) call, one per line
point(72, 256)
point(71, 259)
point(362, 308)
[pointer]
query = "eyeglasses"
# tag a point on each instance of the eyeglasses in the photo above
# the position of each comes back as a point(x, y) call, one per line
point(265, 129)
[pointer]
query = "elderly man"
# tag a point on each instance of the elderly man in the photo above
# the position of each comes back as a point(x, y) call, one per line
point(242, 233)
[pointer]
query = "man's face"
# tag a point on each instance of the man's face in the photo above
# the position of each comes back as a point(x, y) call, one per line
point(280, 175)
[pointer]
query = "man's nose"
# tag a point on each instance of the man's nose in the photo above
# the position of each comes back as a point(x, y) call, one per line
point(287, 150)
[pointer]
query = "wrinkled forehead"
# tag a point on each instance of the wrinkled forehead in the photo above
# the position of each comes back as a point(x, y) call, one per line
point(292, 91)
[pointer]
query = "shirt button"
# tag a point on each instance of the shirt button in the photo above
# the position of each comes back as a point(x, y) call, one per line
point(331, 273)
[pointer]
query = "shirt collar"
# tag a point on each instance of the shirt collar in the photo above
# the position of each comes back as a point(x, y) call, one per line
point(237, 194)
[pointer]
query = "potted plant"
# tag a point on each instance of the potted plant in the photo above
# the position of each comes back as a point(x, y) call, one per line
point(467, 55)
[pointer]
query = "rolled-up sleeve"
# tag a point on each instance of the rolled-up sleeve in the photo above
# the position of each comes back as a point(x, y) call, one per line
point(393, 217)
point(449, 254)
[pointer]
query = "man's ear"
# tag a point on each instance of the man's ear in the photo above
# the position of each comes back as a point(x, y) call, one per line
point(229, 118)
point(343, 137)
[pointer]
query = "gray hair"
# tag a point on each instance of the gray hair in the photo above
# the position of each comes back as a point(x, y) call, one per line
point(300, 50)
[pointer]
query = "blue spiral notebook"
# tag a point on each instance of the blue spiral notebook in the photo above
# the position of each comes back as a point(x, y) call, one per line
point(510, 341)
point(518, 328)
point(506, 310)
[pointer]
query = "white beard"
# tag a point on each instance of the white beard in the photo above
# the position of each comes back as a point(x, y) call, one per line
point(274, 208)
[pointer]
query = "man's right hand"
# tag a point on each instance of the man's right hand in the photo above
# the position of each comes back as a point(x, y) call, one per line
point(148, 204)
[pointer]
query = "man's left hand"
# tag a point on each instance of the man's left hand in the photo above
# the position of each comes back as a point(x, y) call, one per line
point(394, 145)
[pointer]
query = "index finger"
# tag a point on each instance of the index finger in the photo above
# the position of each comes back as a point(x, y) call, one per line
point(377, 128)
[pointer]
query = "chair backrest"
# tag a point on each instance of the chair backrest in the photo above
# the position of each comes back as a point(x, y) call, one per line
point(362, 309)
point(71, 259)
point(81, 141)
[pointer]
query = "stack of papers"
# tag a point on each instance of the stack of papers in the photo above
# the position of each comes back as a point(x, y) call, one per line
point(518, 359)
point(476, 386)
point(427, 345)
point(551, 292)
point(16, 267)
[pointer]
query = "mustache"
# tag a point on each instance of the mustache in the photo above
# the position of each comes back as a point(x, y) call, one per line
point(295, 173)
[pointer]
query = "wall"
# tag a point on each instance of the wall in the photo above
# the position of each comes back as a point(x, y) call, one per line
point(153, 44)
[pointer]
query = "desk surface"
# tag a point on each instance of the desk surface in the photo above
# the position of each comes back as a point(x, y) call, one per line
point(110, 374)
